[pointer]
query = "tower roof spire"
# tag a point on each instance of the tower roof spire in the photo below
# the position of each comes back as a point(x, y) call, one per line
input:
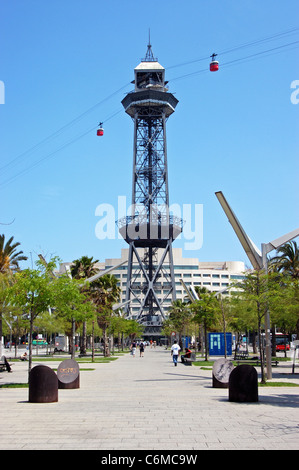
point(149, 56)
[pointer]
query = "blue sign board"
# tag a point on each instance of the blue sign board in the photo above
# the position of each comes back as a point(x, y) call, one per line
point(216, 344)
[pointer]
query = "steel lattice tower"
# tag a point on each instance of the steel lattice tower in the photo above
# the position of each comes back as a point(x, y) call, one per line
point(150, 229)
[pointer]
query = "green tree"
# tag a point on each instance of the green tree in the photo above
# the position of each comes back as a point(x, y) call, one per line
point(9, 263)
point(117, 328)
point(284, 304)
point(258, 292)
point(48, 323)
point(287, 261)
point(133, 329)
point(206, 311)
point(84, 268)
point(32, 293)
point(105, 293)
point(179, 316)
point(167, 329)
point(227, 317)
point(9, 256)
point(71, 304)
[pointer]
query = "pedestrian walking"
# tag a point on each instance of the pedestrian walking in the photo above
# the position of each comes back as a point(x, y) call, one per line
point(133, 348)
point(141, 349)
point(175, 351)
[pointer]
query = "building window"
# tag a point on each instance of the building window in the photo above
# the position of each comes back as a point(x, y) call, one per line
point(186, 267)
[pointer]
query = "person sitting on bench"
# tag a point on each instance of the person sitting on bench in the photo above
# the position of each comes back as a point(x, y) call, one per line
point(187, 355)
point(24, 356)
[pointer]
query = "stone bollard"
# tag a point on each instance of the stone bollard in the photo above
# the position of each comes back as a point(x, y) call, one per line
point(243, 384)
point(221, 372)
point(43, 385)
point(68, 374)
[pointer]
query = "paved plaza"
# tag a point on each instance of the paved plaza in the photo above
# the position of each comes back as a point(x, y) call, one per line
point(146, 403)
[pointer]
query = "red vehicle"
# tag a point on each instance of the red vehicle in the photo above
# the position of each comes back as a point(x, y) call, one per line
point(281, 347)
point(282, 342)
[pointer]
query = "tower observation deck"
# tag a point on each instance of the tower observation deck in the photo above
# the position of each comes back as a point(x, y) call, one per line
point(150, 229)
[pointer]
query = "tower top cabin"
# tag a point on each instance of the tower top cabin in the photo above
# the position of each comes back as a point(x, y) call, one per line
point(150, 88)
point(149, 73)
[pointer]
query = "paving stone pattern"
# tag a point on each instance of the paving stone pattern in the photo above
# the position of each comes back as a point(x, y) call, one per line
point(146, 403)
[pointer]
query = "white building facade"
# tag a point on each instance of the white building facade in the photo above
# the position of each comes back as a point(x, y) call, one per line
point(215, 276)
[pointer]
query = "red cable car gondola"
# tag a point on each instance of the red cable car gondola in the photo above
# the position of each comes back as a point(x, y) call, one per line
point(214, 65)
point(100, 130)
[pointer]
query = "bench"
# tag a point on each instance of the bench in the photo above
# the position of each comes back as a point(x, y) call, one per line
point(50, 353)
point(90, 355)
point(241, 355)
point(256, 362)
point(188, 360)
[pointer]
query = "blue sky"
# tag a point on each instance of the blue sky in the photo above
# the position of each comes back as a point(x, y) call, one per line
point(66, 65)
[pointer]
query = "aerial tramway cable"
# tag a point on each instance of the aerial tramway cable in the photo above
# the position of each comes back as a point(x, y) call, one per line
point(27, 153)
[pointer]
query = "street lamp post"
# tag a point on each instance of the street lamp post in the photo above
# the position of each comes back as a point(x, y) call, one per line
point(268, 348)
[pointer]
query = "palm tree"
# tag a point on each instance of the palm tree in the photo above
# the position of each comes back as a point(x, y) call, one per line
point(9, 257)
point(288, 260)
point(84, 268)
point(106, 293)
point(288, 263)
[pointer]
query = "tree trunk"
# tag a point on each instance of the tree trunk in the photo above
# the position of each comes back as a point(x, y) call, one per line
point(1, 333)
point(273, 345)
point(83, 341)
point(106, 342)
point(92, 342)
point(206, 342)
point(254, 349)
point(30, 343)
point(119, 340)
point(73, 339)
point(261, 351)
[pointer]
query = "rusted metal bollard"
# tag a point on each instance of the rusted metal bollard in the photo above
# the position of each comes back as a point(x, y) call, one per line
point(43, 385)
